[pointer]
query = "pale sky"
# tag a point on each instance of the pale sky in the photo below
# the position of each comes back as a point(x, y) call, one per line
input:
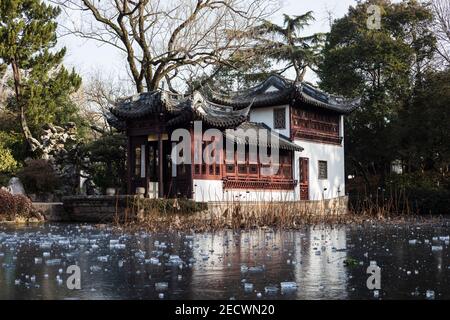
point(89, 57)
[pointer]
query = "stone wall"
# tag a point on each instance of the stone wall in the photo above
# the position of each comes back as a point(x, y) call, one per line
point(52, 211)
point(96, 209)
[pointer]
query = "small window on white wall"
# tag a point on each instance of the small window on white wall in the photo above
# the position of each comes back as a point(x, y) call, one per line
point(279, 118)
point(323, 170)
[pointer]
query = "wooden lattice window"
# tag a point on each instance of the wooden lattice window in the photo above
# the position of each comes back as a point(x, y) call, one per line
point(323, 170)
point(242, 168)
point(230, 168)
point(279, 118)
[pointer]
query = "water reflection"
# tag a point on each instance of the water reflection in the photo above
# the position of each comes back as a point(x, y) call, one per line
point(217, 265)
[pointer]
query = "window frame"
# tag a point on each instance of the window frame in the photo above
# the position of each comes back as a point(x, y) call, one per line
point(275, 123)
point(319, 171)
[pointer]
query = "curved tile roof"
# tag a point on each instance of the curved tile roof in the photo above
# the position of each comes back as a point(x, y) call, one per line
point(313, 96)
point(114, 122)
point(138, 106)
point(226, 110)
point(259, 96)
point(182, 108)
point(277, 90)
point(218, 115)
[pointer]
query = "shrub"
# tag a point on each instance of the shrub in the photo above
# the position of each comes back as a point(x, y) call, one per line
point(13, 205)
point(417, 193)
point(12, 149)
point(7, 161)
point(428, 201)
point(38, 176)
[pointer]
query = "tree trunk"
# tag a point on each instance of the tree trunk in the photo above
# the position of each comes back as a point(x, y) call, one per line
point(32, 142)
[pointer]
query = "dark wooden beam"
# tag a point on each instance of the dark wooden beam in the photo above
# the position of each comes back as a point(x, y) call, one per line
point(160, 167)
point(129, 157)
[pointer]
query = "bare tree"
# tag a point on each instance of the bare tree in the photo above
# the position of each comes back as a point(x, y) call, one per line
point(163, 38)
point(441, 12)
point(96, 98)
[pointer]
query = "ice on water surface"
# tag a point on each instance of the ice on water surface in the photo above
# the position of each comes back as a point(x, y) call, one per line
point(308, 263)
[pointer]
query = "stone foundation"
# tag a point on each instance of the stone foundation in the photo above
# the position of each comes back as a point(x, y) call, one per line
point(98, 209)
point(102, 209)
point(52, 211)
point(335, 206)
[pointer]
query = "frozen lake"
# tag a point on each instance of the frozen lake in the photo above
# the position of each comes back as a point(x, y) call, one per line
point(414, 259)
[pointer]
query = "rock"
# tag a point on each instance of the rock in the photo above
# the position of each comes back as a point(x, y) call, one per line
point(15, 186)
point(110, 191)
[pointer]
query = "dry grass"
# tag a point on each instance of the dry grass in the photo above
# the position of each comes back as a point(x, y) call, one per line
point(239, 215)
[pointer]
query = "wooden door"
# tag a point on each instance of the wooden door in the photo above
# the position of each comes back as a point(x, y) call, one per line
point(304, 178)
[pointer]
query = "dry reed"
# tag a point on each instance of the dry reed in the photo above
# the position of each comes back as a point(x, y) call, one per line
point(143, 214)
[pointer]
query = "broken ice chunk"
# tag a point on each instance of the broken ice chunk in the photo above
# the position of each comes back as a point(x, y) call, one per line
point(117, 246)
point(102, 258)
point(288, 285)
point(37, 260)
point(45, 245)
point(256, 269)
point(161, 286)
point(271, 290)
point(140, 255)
point(175, 259)
point(429, 294)
point(53, 262)
point(152, 260)
point(248, 286)
point(64, 242)
point(436, 248)
point(95, 268)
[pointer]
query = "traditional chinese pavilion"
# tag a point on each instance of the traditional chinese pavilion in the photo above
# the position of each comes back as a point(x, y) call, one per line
point(308, 122)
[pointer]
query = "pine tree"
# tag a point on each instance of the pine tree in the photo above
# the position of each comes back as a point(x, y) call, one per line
point(42, 86)
point(283, 43)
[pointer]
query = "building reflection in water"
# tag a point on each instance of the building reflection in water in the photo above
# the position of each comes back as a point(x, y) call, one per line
point(283, 256)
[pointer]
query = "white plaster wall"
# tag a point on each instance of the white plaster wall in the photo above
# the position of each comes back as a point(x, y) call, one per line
point(265, 115)
point(334, 155)
point(212, 190)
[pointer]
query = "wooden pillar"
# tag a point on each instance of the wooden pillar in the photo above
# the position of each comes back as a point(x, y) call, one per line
point(129, 163)
point(161, 167)
point(146, 163)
